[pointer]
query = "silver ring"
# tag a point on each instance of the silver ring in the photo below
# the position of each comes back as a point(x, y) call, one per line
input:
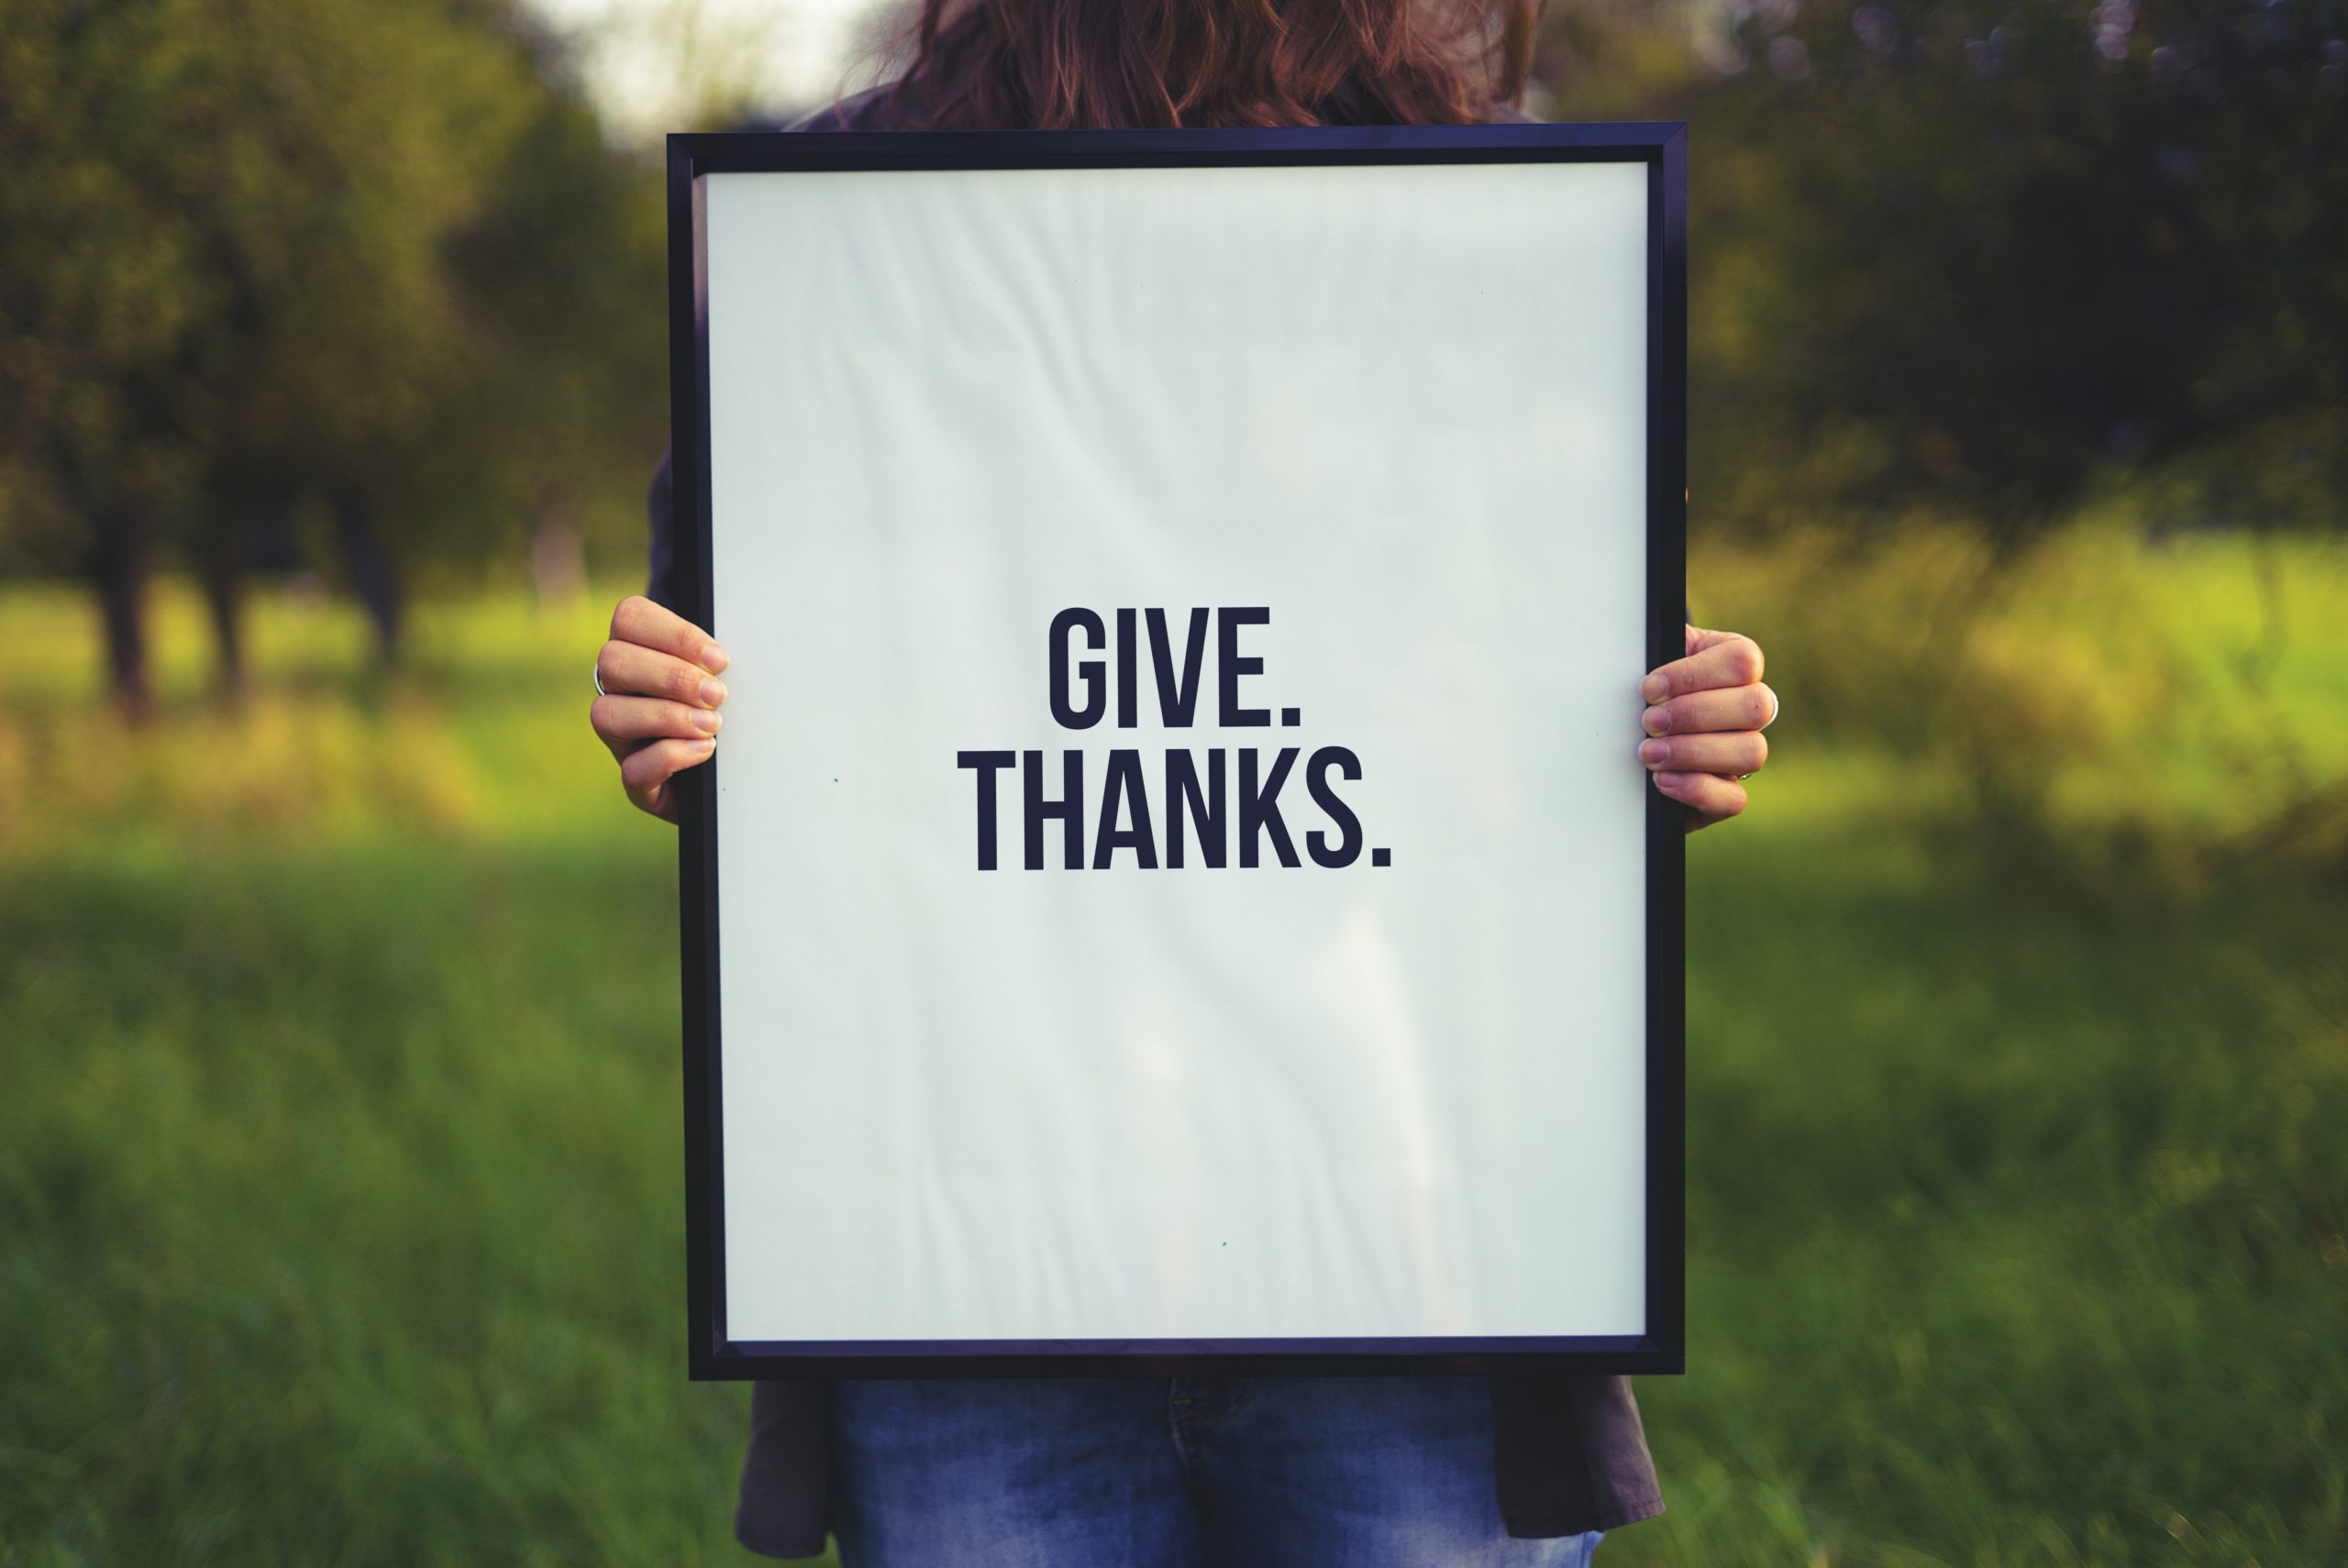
point(599, 679)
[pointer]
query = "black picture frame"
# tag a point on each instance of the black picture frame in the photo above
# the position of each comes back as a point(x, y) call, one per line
point(1661, 148)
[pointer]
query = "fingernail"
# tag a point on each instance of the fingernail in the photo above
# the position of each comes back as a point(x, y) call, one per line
point(1670, 780)
point(713, 692)
point(1656, 720)
point(713, 659)
point(1655, 688)
point(1654, 751)
point(705, 746)
point(708, 719)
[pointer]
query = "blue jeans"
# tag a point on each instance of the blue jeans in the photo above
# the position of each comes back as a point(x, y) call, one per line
point(1182, 1472)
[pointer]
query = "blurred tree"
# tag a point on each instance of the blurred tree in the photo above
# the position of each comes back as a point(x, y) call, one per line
point(98, 290)
point(264, 255)
point(1979, 251)
point(563, 281)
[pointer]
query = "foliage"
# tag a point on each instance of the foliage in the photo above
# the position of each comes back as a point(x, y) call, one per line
point(1980, 253)
point(565, 407)
point(339, 1169)
point(2099, 701)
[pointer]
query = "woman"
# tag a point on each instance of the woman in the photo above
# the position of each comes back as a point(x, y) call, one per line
point(1157, 1473)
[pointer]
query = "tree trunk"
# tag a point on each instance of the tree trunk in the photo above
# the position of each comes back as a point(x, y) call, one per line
point(224, 596)
point(373, 578)
point(125, 549)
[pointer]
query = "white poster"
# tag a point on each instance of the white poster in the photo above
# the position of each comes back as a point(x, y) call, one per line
point(1180, 837)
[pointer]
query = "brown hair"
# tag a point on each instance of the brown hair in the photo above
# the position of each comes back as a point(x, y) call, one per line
point(1098, 64)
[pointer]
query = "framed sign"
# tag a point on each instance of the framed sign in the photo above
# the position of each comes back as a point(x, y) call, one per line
point(1177, 889)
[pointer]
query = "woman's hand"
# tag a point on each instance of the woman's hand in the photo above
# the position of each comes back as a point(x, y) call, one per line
point(659, 709)
point(1704, 719)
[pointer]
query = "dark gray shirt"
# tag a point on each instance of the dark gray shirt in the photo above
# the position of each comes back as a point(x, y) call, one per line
point(1569, 1455)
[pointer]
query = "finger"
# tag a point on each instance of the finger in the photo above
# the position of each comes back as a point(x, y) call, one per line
point(640, 621)
point(630, 669)
point(1713, 798)
point(1714, 659)
point(1737, 708)
point(1733, 753)
point(622, 721)
point(645, 771)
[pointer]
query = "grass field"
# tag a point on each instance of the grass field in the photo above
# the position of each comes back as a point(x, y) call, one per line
point(340, 1163)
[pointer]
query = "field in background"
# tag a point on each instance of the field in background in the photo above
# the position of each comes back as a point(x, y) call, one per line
point(340, 1163)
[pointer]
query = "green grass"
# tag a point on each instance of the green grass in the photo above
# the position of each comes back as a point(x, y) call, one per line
point(340, 1168)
